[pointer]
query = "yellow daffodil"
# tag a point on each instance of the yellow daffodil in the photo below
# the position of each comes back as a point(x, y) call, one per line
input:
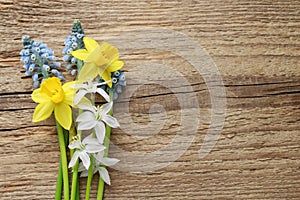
point(52, 96)
point(98, 60)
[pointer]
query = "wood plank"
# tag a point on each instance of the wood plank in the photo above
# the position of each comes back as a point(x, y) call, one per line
point(255, 45)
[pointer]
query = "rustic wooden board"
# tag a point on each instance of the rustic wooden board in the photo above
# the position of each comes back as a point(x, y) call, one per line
point(255, 45)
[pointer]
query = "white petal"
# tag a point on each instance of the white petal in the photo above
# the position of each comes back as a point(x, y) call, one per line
point(100, 131)
point(87, 107)
point(74, 145)
point(102, 83)
point(84, 102)
point(90, 84)
point(93, 148)
point(90, 140)
point(81, 168)
point(103, 94)
point(79, 86)
point(84, 173)
point(79, 95)
point(109, 161)
point(111, 121)
point(85, 116)
point(104, 175)
point(99, 156)
point(85, 159)
point(87, 125)
point(107, 107)
point(74, 158)
point(93, 88)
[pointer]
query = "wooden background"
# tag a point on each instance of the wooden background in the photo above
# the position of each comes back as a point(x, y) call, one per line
point(255, 45)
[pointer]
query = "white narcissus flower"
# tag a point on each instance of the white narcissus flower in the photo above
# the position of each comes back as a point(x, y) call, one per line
point(89, 87)
point(94, 118)
point(88, 146)
point(98, 166)
point(103, 173)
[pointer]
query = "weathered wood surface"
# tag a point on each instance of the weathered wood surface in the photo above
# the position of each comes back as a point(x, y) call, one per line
point(255, 45)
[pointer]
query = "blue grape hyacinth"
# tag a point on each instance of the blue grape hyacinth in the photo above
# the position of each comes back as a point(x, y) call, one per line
point(39, 61)
point(73, 43)
point(118, 83)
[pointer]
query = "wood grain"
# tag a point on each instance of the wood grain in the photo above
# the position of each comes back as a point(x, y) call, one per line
point(255, 45)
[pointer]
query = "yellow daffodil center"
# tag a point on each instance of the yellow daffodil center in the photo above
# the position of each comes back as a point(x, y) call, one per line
point(52, 89)
point(96, 56)
point(102, 56)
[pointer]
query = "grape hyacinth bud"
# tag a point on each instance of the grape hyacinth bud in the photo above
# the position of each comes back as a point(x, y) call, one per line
point(73, 43)
point(39, 61)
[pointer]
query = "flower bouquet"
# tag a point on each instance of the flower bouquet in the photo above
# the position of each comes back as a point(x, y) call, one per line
point(83, 125)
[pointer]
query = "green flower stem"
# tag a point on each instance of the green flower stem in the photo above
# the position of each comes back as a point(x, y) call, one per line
point(78, 192)
point(101, 182)
point(59, 183)
point(72, 134)
point(41, 63)
point(89, 180)
point(90, 171)
point(60, 174)
point(79, 65)
point(75, 195)
point(106, 144)
point(64, 161)
point(75, 182)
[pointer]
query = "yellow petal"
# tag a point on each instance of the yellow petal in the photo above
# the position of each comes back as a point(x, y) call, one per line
point(43, 111)
point(81, 54)
point(83, 101)
point(63, 114)
point(68, 85)
point(110, 52)
point(106, 76)
point(97, 57)
point(90, 44)
point(88, 71)
point(115, 66)
point(69, 93)
point(38, 97)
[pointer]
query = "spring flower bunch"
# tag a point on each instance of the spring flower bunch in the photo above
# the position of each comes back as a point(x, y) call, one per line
point(83, 126)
